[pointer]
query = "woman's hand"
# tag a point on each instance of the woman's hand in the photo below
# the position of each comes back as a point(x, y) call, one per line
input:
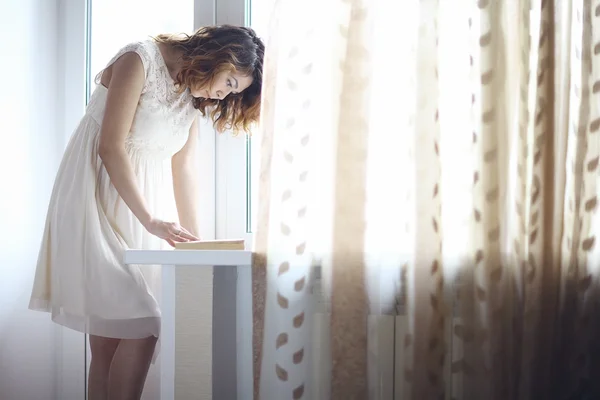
point(169, 231)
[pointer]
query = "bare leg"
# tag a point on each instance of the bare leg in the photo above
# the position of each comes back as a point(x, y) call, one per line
point(103, 350)
point(130, 367)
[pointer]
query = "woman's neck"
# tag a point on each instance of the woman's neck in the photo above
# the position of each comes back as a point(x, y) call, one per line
point(172, 59)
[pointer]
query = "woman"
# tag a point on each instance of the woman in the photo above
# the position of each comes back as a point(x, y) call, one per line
point(127, 180)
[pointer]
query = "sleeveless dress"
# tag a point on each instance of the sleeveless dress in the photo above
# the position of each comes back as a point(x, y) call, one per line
point(81, 278)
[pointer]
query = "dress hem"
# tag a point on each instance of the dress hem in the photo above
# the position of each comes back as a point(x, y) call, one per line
point(131, 328)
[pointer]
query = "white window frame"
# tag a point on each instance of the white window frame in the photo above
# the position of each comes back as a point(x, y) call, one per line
point(231, 188)
point(231, 183)
point(230, 207)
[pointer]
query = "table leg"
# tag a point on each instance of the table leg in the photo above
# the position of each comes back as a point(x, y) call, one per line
point(167, 335)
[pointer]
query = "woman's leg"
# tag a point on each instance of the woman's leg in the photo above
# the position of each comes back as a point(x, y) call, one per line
point(129, 368)
point(103, 350)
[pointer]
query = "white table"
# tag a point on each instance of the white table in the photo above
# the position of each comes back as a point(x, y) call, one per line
point(169, 260)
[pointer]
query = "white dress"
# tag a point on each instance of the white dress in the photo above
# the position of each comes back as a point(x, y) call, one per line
point(81, 279)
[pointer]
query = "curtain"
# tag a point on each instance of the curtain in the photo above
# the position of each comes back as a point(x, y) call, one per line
point(435, 164)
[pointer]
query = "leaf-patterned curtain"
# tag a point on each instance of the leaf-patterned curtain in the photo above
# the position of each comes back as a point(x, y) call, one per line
point(428, 201)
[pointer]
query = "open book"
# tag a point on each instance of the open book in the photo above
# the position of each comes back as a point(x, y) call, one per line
point(227, 244)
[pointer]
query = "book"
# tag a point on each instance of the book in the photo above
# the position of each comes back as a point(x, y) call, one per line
point(227, 244)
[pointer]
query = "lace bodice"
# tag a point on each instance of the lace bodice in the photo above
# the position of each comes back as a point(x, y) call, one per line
point(163, 117)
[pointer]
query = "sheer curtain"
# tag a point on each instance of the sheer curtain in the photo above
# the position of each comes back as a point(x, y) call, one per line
point(436, 160)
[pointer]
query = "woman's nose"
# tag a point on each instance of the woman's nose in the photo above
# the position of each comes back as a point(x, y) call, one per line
point(221, 94)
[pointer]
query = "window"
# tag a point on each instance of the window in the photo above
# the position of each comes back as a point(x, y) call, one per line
point(92, 32)
point(114, 23)
point(238, 161)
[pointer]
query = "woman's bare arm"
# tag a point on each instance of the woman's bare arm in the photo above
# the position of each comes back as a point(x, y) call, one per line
point(124, 89)
point(185, 182)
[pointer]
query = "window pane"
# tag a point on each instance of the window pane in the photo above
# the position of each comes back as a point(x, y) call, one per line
point(260, 14)
point(259, 19)
point(115, 23)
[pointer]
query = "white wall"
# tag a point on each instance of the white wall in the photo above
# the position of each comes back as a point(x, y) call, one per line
point(29, 153)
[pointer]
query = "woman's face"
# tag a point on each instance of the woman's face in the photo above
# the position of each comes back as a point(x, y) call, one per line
point(224, 83)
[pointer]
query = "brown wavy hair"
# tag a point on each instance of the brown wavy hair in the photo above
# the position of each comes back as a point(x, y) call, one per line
point(212, 50)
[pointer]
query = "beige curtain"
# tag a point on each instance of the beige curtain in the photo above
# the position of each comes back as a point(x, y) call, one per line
point(433, 162)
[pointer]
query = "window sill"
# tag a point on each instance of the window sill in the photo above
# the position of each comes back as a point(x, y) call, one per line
point(189, 257)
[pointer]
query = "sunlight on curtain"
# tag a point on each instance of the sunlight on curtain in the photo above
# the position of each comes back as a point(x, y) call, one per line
point(260, 20)
point(427, 208)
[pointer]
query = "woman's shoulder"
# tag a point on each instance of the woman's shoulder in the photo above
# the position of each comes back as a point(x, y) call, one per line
point(146, 50)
